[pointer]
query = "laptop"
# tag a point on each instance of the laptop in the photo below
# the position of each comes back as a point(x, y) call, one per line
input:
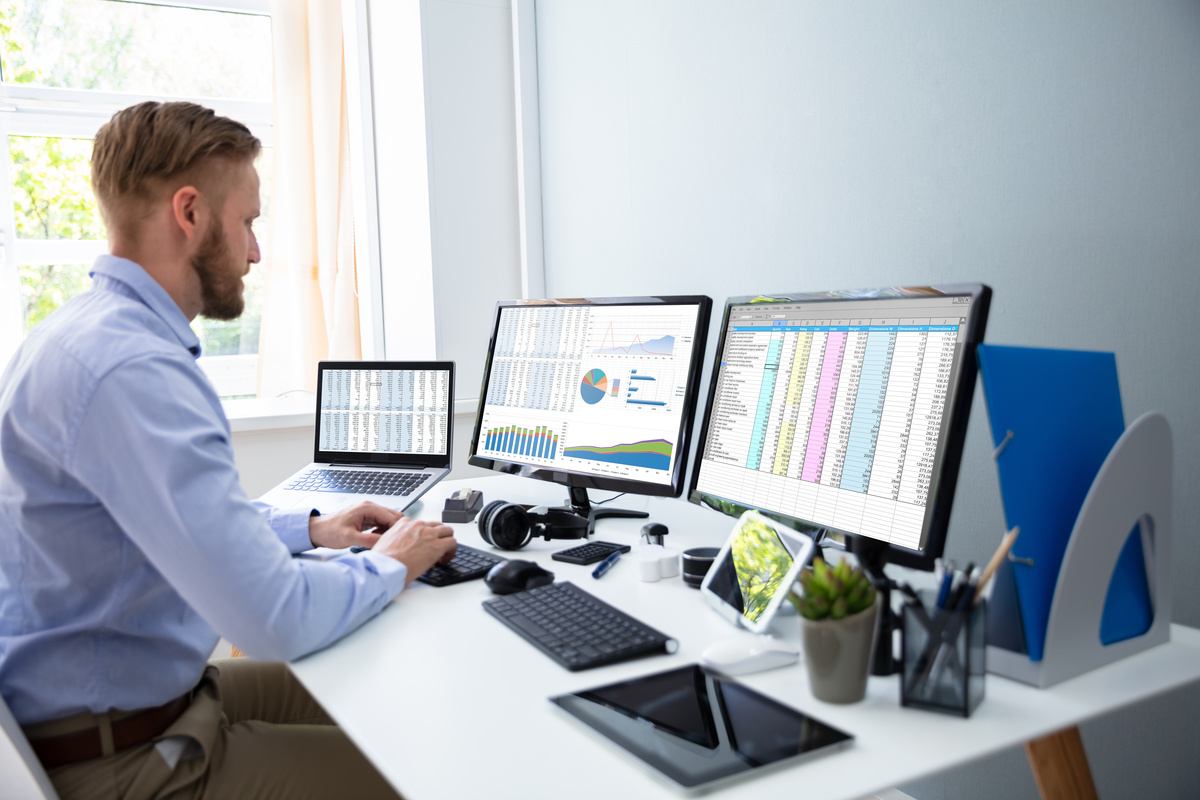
point(383, 434)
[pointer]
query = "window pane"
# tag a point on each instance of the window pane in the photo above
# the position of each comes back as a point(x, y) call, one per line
point(53, 199)
point(45, 287)
point(130, 47)
point(52, 189)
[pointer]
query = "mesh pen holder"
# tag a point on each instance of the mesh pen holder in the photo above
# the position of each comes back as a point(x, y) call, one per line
point(944, 658)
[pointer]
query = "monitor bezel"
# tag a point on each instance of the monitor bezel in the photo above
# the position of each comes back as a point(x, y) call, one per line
point(399, 459)
point(949, 454)
point(580, 480)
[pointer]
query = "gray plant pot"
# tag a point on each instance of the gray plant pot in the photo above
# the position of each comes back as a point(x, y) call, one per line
point(838, 655)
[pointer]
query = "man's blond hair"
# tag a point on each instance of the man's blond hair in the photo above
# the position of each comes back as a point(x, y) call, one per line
point(144, 150)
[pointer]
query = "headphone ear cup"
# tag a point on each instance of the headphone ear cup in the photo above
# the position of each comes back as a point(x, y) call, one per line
point(485, 519)
point(510, 527)
point(565, 524)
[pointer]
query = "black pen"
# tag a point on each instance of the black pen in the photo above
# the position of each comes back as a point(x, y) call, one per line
point(605, 565)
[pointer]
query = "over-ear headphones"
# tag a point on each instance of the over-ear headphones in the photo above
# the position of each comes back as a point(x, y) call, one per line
point(511, 526)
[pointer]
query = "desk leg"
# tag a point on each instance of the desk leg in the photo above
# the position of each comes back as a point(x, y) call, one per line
point(1060, 766)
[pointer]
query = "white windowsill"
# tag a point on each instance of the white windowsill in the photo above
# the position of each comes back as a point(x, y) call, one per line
point(295, 411)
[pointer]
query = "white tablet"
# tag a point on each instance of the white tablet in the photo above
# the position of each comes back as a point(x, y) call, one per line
point(751, 576)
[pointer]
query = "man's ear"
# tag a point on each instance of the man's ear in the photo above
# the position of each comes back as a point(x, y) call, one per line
point(187, 209)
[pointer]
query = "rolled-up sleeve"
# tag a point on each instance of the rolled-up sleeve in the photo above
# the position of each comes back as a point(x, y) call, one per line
point(178, 497)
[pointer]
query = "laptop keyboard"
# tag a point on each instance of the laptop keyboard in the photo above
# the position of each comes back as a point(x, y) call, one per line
point(359, 481)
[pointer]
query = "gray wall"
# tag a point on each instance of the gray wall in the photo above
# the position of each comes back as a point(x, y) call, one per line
point(1051, 150)
point(473, 175)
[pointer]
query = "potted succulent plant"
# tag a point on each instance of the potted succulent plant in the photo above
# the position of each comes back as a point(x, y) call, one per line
point(840, 608)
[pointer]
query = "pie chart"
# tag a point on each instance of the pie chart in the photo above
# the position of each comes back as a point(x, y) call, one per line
point(593, 387)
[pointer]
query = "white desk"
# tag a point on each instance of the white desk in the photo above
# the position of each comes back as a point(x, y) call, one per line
point(447, 702)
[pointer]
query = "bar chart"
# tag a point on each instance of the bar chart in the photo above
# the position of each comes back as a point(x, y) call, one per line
point(643, 390)
point(527, 442)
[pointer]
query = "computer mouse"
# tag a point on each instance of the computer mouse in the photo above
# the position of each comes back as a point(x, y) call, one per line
point(517, 575)
point(746, 654)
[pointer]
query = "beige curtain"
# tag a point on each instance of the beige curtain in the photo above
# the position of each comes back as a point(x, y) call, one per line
point(310, 303)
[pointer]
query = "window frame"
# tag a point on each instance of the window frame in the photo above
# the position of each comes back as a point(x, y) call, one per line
point(35, 110)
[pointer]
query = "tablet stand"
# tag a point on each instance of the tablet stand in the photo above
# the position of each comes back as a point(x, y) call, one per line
point(1133, 486)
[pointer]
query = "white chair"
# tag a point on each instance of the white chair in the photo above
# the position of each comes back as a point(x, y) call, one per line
point(21, 774)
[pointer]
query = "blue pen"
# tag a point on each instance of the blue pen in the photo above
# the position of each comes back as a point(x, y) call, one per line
point(605, 565)
point(944, 590)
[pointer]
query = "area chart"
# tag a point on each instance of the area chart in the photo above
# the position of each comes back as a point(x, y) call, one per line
point(651, 453)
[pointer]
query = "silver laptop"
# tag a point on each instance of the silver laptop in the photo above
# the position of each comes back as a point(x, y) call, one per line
point(383, 434)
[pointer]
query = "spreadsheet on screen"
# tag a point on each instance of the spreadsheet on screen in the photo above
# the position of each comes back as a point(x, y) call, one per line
point(831, 412)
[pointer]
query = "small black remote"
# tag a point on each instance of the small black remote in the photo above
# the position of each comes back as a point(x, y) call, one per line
point(589, 553)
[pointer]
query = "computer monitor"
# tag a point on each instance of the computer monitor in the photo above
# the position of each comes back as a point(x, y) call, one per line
point(593, 394)
point(844, 413)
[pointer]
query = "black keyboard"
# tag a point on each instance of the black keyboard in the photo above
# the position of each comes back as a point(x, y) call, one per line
point(359, 481)
point(574, 628)
point(589, 553)
point(467, 565)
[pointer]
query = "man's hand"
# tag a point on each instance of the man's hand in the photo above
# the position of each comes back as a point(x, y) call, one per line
point(349, 528)
point(418, 545)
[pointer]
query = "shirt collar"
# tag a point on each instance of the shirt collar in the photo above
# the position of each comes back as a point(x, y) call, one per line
point(144, 288)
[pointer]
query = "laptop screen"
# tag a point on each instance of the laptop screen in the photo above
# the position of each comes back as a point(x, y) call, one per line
point(383, 411)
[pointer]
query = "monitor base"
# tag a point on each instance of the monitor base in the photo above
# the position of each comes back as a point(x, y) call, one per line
point(872, 556)
point(580, 505)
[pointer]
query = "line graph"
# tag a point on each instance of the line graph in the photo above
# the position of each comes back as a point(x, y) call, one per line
point(660, 346)
point(626, 336)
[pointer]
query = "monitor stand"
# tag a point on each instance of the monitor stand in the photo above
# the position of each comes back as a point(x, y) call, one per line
point(579, 504)
point(872, 556)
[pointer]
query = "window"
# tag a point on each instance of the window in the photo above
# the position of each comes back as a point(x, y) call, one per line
point(65, 67)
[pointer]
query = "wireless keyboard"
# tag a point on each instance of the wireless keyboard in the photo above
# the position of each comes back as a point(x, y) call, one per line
point(575, 629)
point(467, 565)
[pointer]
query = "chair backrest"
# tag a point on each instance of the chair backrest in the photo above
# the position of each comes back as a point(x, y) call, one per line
point(21, 774)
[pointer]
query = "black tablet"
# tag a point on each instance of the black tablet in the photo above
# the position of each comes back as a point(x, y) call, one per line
point(699, 727)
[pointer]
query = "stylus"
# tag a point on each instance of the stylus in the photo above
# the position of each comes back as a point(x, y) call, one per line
point(605, 565)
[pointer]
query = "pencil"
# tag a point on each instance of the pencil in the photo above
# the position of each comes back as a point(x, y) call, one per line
point(996, 560)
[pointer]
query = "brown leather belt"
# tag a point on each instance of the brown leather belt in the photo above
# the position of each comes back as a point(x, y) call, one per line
point(128, 731)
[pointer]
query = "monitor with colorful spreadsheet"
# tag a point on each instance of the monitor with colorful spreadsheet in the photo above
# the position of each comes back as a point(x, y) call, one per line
point(844, 411)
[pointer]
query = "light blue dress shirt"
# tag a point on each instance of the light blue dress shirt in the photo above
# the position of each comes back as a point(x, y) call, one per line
point(126, 541)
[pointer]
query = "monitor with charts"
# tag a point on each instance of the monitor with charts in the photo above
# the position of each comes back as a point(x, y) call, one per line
point(845, 412)
point(593, 393)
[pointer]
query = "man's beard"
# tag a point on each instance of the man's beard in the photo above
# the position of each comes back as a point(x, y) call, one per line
point(220, 281)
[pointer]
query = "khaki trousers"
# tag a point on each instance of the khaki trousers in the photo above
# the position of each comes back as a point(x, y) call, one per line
point(252, 731)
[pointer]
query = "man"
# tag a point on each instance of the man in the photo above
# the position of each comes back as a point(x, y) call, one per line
point(126, 542)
